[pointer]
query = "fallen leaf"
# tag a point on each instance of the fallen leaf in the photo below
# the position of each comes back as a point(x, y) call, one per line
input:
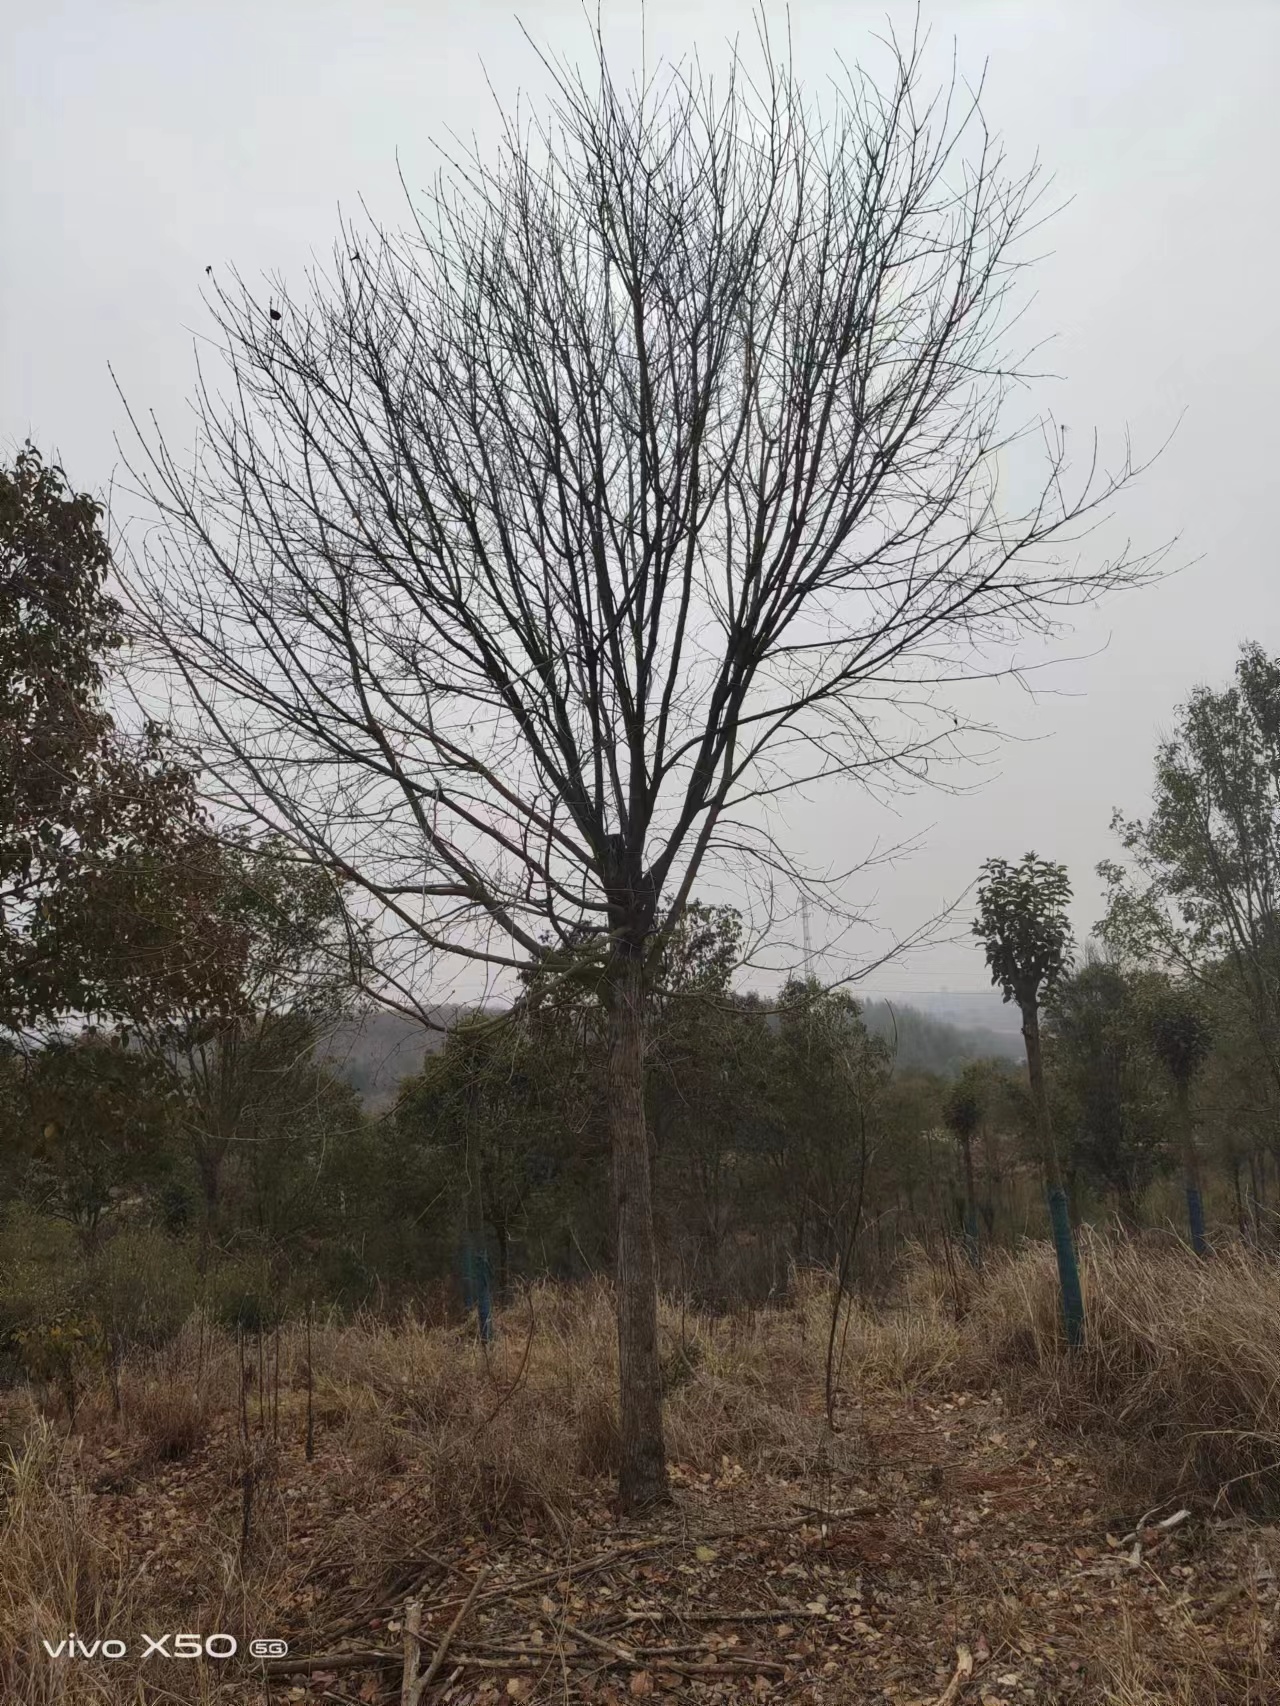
point(642, 1683)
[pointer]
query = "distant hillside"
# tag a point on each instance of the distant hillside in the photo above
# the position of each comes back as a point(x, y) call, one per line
point(375, 1052)
point(971, 1009)
point(926, 1044)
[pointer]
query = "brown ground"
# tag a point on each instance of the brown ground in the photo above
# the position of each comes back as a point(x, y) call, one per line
point(938, 1548)
point(967, 1539)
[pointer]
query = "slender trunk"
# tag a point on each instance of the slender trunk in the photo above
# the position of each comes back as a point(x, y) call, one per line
point(1241, 1219)
point(209, 1168)
point(1059, 1214)
point(1127, 1204)
point(1191, 1171)
point(970, 1204)
point(642, 1476)
point(1255, 1197)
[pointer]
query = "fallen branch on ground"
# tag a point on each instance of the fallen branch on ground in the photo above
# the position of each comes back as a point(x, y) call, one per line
point(412, 1685)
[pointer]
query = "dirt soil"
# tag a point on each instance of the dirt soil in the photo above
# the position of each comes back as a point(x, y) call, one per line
point(969, 1561)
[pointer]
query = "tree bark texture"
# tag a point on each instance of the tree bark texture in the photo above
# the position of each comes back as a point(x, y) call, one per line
point(642, 1476)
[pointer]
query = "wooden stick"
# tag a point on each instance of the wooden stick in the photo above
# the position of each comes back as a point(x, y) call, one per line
point(350, 1660)
point(744, 1666)
point(434, 1667)
point(409, 1690)
point(674, 1613)
point(614, 1648)
point(964, 1670)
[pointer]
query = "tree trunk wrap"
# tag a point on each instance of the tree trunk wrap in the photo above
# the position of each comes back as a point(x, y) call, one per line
point(642, 1476)
point(1068, 1268)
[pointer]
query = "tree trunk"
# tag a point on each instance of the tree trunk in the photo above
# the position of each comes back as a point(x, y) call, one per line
point(1127, 1205)
point(1059, 1214)
point(970, 1204)
point(1241, 1218)
point(1191, 1171)
point(642, 1476)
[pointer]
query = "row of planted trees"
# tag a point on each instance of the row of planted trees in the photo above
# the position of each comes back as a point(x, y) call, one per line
point(1179, 1027)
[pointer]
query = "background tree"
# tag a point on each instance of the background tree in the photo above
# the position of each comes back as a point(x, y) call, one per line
point(105, 857)
point(708, 1090)
point(506, 1124)
point(1023, 926)
point(1204, 887)
point(242, 1074)
point(653, 474)
point(962, 1115)
point(88, 1121)
point(1181, 1038)
point(1101, 1062)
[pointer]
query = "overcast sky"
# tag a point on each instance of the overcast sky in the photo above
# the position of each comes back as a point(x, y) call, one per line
point(144, 142)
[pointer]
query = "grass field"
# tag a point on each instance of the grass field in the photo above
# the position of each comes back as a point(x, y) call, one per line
point(962, 1522)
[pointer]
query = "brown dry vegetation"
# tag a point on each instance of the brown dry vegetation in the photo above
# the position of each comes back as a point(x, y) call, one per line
point(975, 1495)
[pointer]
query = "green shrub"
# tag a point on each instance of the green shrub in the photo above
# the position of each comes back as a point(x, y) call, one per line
point(142, 1286)
point(37, 1275)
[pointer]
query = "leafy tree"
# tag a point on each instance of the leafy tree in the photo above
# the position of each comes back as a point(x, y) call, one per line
point(707, 1086)
point(962, 1115)
point(105, 857)
point(1026, 937)
point(1181, 1037)
point(501, 1129)
point(1204, 888)
point(826, 1073)
point(242, 1074)
point(89, 1122)
point(1101, 1061)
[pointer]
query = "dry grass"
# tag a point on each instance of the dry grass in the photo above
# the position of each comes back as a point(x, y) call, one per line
point(1179, 1384)
point(1179, 1377)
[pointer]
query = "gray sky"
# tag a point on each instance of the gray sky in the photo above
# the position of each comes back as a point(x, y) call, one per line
point(142, 142)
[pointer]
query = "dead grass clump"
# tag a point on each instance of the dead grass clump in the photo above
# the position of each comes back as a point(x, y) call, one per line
point(1181, 1364)
point(172, 1421)
point(58, 1573)
point(598, 1434)
point(1181, 1662)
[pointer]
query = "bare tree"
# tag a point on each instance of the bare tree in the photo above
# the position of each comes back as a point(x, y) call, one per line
point(528, 559)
